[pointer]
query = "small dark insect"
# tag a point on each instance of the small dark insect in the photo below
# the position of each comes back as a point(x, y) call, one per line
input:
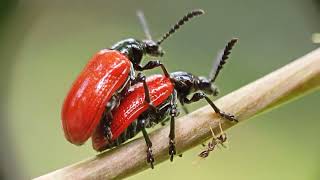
point(213, 143)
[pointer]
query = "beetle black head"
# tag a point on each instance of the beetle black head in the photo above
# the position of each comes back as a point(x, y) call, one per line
point(204, 84)
point(152, 48)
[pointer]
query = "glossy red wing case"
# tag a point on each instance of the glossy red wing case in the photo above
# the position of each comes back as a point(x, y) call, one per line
point(160, 88)
point(85, 103)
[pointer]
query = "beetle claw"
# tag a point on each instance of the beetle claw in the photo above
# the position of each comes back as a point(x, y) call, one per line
point(150, 158)
point(172, 149)
point(229, 116)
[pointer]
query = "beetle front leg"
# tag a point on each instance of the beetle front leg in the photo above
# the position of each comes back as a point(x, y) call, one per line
point(151, 65)
point(201, 95)
point(150, 158)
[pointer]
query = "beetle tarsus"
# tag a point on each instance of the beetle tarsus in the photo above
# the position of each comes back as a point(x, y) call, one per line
point(200, 95)
point(150, 158)
point(172, 149)
point(228, 116)
point(173, 113)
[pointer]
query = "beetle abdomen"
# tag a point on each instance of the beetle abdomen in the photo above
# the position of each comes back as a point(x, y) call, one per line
point(85, 103)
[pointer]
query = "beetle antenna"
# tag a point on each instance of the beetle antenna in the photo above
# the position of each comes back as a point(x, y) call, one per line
point(181, 22)
point(144, 24)
point(223, 55)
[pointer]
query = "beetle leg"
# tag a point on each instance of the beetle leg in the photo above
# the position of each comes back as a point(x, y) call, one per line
point(107, 117)
point(184, 108)
point(172, 147)
point(106, 126)
point(142, 78)
point(173, 113)
point(151, 65)
point(152, 107)
point(200, 95)
point(150, 158)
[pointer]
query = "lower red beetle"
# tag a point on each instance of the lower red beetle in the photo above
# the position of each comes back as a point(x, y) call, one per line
point(134, 115)
point(107, 76)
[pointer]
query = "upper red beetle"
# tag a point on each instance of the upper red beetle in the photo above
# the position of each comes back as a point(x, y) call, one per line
point(133, 115)
point(107, 76)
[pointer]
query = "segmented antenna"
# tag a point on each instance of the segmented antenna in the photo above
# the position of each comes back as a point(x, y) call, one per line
point(181, 22)
point(144, 24)
point(223, 55)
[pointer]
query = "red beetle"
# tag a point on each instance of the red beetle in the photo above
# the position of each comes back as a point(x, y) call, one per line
point(133, 114)
point(107, 76)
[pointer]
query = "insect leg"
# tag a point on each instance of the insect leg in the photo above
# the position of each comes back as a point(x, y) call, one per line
point(107, 117)
point(150, 158)
point(153, 64)
point(106, 126)
point(184, 108)
point(173, 113)
point(201, 95)
point(142, 78)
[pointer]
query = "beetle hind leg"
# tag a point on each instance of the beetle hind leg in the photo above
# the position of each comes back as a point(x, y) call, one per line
point(150, 158)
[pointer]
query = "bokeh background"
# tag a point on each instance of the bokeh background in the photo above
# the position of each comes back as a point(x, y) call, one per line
point(45, 44)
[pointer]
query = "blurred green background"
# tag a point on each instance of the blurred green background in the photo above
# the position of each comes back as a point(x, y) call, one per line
point(45, 44)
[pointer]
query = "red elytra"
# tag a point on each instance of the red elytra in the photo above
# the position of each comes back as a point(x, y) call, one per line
point(85, 103)
point(160, 88)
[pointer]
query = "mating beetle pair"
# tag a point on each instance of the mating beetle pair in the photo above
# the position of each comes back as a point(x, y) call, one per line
point(108, 102)
point(133, 115)
point(107, 76)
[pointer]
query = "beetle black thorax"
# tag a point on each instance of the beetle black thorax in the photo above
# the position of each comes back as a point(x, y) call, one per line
point(135, 49)
point(184, 83)
point(187, 83)
point(132, 48)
